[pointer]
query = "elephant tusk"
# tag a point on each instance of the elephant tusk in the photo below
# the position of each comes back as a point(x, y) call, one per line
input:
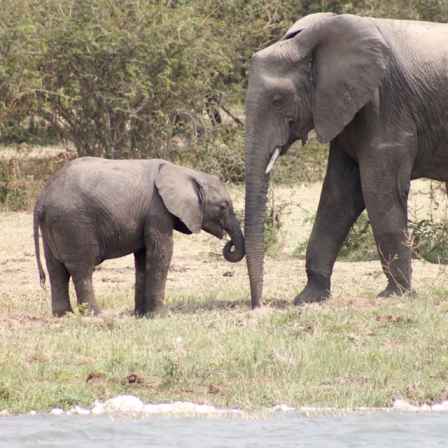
point(273, 160)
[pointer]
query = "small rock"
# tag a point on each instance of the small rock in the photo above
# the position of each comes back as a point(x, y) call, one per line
point(404, 405)
point(124, 404)
point(443, 406)
point(98, 408)
point(95, 377)
point(133, 378)
point(283, 408)
point(212, 389)
point(57, 411)
point(186, 408)
point(79, 411)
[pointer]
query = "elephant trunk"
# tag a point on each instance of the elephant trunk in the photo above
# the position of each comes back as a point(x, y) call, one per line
point(234, 249)
point(255, 214)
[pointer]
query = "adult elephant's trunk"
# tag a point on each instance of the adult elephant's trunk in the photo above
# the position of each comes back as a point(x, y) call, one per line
point(255, 213)
point(234, 250)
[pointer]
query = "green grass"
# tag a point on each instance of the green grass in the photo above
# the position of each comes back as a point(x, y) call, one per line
point(339, 355)
point(210, 348)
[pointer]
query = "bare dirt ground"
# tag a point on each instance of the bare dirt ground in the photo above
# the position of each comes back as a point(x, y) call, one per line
point(198, 268)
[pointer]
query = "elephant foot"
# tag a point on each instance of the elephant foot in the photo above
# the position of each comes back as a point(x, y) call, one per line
point(317, 290)
point(85, 310)
point(395, 290)
point(312, 295)
point(62, 313)
point(139, 312)
point(159, 310)
point(95, 312)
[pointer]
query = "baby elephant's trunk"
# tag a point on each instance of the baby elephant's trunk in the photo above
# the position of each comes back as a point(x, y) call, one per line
point(234, 249)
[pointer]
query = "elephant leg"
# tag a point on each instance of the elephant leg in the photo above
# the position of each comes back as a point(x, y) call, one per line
point(386, 195)
point(82, 278)
point(59, 283)
point(159, 251)
point(341, 202)
point(140, 268)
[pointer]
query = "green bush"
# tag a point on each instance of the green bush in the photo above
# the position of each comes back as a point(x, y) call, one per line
point(14, 194)
point(358, 246)
point(302, 163)
point(19, 79)
point(220, 153)
point(273, 225)
point(118, 74)
point(360, 242)
point(125, 78)
point(430, 240)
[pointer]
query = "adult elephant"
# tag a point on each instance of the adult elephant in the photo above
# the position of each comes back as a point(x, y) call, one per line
point(377, 91)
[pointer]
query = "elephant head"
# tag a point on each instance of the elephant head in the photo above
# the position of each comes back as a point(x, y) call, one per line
point(319, 76)
point(200, 201)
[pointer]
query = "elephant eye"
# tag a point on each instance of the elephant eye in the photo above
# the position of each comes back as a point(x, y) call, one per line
point(216, 209)
point(223, 206)
point(277, 100)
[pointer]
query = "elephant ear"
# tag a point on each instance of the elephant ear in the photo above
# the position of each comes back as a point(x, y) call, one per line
point(182, 196)
point(349, 57)
point(306, 22)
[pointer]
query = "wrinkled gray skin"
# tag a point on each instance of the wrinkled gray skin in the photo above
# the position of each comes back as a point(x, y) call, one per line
point(95, 209)
point(377, 91)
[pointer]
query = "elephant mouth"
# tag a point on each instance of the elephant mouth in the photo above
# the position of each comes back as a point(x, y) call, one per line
point(278, 151)
point(220, 234)
point(216, 231)
point(275, 155)
point(283, 149)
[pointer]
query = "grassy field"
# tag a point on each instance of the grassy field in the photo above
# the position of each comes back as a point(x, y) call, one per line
point(210, 348)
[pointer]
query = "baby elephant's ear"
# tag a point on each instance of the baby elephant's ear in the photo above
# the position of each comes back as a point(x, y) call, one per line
point(181, 195)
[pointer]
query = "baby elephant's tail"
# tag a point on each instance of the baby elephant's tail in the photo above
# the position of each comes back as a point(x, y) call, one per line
point(37, 215)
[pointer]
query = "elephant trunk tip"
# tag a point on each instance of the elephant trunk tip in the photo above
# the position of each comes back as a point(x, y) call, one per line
point(232, 253)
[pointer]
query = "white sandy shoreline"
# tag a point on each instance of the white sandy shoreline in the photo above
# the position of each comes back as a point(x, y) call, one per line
point(131, 406)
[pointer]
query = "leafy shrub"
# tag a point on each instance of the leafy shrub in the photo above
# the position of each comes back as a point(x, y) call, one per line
point(18, 59)
point(430, 240)
point(117, 74)
point(16, 198)
point(358, 246)
point(302, 163)
point(13, 193)
point(221, 153)
point(360, 242)
point(272, 225)
point(118, 77)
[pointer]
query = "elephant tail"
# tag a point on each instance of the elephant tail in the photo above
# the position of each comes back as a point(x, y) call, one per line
point(37, 216)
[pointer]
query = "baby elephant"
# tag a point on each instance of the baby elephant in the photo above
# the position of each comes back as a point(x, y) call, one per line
point(94, 209)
